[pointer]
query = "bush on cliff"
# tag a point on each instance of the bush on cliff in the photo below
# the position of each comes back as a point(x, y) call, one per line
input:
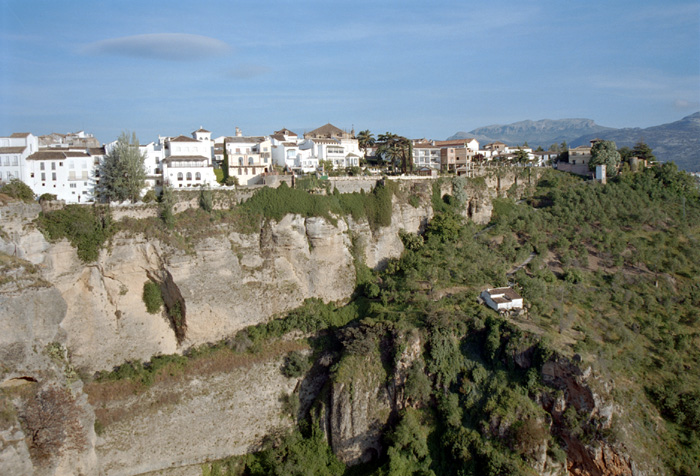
point(152, 297)
point(15, 188)
point(87, 228)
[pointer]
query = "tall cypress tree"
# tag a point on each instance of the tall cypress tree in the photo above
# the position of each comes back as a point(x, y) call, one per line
point(225, 164)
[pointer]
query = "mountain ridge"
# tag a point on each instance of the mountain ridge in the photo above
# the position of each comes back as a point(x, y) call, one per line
point(677, 141)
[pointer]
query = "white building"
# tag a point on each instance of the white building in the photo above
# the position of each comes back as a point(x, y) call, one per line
point(249, 157)
point(14, 151)
point(68, 174)
point(502, 299)
point(331, 143)
point(188, 161)
point(154, 155)
point(426, 154)
point(287, 153)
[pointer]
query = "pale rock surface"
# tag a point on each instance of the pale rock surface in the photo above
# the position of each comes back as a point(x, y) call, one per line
point(194, 420)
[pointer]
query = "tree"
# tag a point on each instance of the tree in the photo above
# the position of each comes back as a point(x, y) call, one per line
point(167, 202)
point(122, 173)
point(366, 140)
point(605, 153)
point(643, 151)
point(394, 148)
point(521, 156)
point(225, 165)
point(326, 165)
point(625, 154)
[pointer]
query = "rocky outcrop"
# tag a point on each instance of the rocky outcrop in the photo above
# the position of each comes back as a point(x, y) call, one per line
point(594, 458)
point(189, 420)
point(360, 407)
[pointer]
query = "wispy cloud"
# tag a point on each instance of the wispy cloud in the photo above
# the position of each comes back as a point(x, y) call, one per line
point(683, 104)
point(166, 46)
point(247, 71)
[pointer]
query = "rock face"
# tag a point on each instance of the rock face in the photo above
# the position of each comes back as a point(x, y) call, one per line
point(191, 420)
point(582, 459)
point(60, 317)
point(359, 410)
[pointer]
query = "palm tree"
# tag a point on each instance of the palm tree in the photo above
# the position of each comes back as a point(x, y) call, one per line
point(394, 148)
point(366, 140)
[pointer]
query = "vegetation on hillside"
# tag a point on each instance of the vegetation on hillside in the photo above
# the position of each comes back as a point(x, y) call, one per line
point(615, 281)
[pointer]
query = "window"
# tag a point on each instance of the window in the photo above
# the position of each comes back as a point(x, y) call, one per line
point(198, 176)
point(240, 161)
point(189, 175)
point(74, 185)
point(250, 161)
point(43, 176)
point(41, 166)
point(53, 165)
point(179, 175)
point(53, 175)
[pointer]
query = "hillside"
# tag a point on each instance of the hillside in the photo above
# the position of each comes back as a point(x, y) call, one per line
point(404, 371)
point(677, 141)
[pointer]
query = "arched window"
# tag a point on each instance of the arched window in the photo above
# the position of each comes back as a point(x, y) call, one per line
point(198, 176)
point(179, 175)
point(240, 161)
point(189, 175)
point(250, 161)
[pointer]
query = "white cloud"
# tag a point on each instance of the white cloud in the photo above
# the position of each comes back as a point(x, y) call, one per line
point(167, 46)
point(684, 104)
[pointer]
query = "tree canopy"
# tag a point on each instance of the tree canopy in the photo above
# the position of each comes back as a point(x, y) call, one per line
point(365, 140)
point(643, 151)
point(394, 148)
point(122, 172)
point(605, 153)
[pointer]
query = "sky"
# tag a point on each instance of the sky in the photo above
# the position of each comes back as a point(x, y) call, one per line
point(414, 68)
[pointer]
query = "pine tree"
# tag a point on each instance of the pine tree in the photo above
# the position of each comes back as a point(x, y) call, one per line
point(122, 173)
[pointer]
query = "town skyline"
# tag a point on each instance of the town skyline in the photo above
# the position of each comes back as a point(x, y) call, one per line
point(420, 70)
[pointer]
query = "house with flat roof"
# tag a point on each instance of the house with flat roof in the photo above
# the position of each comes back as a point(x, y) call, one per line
point(502, 299)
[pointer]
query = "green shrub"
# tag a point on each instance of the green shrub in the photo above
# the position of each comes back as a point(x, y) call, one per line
point(47, 197)
point(152, 297)
point(87, 228)
point(167, 202)
point(15, 188)
point(150, 196)
point(206, 199)
point(295, 365)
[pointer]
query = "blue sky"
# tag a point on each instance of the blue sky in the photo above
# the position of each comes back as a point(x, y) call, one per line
point(415, 68)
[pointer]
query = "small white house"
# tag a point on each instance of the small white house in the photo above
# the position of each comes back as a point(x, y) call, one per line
point(502, 299)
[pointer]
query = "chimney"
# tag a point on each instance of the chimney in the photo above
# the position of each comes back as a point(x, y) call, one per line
point(238, 132)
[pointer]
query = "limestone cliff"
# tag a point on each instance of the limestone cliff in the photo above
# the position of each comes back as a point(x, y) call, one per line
point(60, 317)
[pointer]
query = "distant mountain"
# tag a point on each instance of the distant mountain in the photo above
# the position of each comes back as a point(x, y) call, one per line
point(677, 141)
point(544, 132)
